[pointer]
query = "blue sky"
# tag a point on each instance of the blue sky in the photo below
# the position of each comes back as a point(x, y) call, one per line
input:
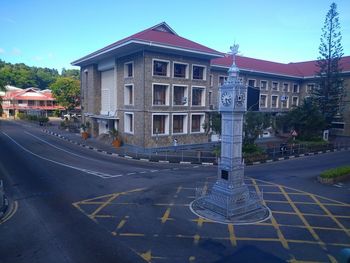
point(55, 33)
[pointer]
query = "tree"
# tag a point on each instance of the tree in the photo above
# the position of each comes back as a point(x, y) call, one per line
point(329, 92)
point(73, 73)
point(2, 89)
point(306, 119)
point(254, 124)
point(67, 92)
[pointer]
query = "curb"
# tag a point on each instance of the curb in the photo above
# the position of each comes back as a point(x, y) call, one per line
point(187, 162)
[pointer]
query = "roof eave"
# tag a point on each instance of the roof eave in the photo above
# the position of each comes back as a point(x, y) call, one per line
point(81, 61)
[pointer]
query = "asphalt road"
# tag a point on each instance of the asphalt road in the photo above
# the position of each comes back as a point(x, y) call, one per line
point(71, 204)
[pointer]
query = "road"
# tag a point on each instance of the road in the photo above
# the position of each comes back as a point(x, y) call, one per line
point(72, 204)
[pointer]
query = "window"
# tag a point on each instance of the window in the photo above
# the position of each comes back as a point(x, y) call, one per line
point(211, 80)
point(180, 95)
point(263, 101)
point(275, 86)
point(198, 98)
point(210, 97)
point(20, 101)
point(251, 83)
point(179, 123)
point(129, 70)
point(222, 80)
point(30, 102)
point(285, 87)
point(199, 72)
point(295, 101)
point(180, 70)
point(274, 101)
point(128, 95)
point(263, 85)
point(284, 102)
point(160, 94)
point(129, 122)
point(42, 103)
point(49, 103)
point(310, 88)
point(160, 124)
point(197, 121)
point(160, 68)
point(295, 88)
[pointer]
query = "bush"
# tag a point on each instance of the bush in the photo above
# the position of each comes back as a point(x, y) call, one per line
point(21, 115)
point(336, 172)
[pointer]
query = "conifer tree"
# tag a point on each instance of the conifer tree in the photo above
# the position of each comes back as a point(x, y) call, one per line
point(329, 92)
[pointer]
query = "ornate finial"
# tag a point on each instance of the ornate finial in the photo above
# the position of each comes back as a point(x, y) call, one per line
point(233, 71)
point(234, 49)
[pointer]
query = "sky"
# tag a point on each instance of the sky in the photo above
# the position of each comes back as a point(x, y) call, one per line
point(54, 33)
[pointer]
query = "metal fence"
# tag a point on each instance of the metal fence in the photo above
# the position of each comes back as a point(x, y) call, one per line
point(209, 155)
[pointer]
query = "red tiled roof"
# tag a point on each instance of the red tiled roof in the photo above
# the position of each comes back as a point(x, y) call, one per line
point(298, 69)
point(160, 34)
point(21, 95)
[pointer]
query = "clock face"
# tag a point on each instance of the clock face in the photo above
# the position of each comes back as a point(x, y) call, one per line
point(226, 98)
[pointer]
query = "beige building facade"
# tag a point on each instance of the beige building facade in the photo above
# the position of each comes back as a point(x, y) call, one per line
point(156, 87)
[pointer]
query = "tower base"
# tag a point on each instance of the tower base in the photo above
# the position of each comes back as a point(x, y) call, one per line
point(231, 205)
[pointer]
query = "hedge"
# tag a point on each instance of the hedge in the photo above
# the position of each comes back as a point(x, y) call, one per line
point(336, 172)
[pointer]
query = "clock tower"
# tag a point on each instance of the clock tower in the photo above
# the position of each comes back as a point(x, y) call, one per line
point(230, 200)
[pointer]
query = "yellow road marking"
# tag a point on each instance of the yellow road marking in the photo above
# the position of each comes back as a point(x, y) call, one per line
point(191, 258)
point(233, 239)
point(299, 191)
point(273, 221)
point(114, 196)
point(166, 217)
point(302, 218)
point(330, 215)
point(196, 239)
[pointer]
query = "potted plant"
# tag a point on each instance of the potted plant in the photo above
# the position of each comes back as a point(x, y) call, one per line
point(84, 133)
point(116, 138)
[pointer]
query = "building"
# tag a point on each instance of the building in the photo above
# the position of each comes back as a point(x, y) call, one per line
point(156, 86)
point(30, 101)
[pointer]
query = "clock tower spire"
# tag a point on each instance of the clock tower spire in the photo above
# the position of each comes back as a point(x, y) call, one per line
point(230, 200)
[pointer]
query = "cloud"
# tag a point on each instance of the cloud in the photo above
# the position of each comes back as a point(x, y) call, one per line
point(2, 51)
point(38, 58)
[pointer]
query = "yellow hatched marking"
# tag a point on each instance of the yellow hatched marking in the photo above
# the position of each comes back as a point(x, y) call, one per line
point(330, 215)
point(201, 220)
point(302, 218)
point(304, 203)
point(178, 189)
point(273, 221)
point(166, 217)
point(233, 239)
point(306, 193)
point(114, 196)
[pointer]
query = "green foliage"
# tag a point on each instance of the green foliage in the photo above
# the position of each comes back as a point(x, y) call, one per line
point(255, 123)
point(72, 73)
point(214, 123)
point(33, 118)
point(23, 76)
point(329, 92)
point(114, 134)
point(306, 119)
point(66, 90)
point(336, 172)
